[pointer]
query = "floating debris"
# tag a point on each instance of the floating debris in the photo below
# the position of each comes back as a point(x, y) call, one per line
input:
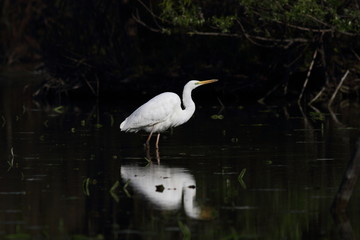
point(160, 188)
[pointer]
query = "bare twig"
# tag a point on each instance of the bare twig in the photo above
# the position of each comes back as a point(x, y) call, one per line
point(247, 35)
point(155, 17)
point(337, 88)
point(288, 41)
point(317, 20)
point(297, 58)
point(89, 85)
point(325, 30)
point(149, 10)
point(308, 75)
point(307, 29)
point(355, 54)
point(251, 38)
point(318, 95)
point(262, 100)
point(329, 29)
point(325, 24)
point(97, 86)
point(327, 77)
point(214, 34)
point(138, 20)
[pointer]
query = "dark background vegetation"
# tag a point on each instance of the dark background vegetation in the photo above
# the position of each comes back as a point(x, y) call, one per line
point(258, 49)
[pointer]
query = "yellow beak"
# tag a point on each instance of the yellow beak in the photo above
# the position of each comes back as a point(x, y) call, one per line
point(208, 81)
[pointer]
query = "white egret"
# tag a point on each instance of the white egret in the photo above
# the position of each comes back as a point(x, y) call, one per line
point(163, 111)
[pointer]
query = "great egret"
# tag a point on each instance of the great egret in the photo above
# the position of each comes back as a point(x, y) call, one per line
point(163, 111)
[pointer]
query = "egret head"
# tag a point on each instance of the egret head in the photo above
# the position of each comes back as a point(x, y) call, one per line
point(196, 83)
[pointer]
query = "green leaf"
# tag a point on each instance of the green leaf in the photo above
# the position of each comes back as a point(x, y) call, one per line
point(184, 230)
point(59, 109)
point(217, 117)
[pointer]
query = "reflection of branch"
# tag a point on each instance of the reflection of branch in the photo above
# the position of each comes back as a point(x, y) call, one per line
point(3, 121)
point(11, 161)
point(307, 123)
point(334, 117)
point(222, 106)
point(348, 183)
point(344, 193)
point(343, 226)
point(113, 189)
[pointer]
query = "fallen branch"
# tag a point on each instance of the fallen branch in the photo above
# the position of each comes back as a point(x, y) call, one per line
point(308, 75)
point(90, 86)
point(337, 88)
point(318, 95)
point(327, 77)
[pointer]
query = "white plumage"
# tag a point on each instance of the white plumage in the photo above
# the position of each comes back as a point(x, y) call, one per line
point(163, 111)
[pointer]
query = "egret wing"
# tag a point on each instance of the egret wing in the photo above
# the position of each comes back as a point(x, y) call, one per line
point(156, 110)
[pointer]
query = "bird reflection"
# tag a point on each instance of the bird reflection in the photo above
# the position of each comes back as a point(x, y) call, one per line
point(166, 188)
point(148, 155)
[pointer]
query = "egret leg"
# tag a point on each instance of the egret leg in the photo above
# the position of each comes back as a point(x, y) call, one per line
point(157, 141)
point(148, 156)
point(158, 156)
point(148, 139)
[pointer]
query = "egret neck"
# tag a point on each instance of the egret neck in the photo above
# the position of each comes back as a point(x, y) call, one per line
point(188, 103)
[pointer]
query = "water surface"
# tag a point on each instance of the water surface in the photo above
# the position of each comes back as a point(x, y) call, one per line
point(248, 172)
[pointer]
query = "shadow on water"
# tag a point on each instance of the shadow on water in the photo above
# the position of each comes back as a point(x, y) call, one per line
point(256, 172)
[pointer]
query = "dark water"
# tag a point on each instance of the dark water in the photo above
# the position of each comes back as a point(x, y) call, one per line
point(250, 172)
